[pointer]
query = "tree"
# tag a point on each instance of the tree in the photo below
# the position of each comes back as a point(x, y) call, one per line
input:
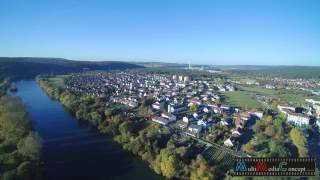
point(126, 127)
point(248, 148)
point(30, 146)
point(258, 127)
point(95, 118)
point(107, 112)
point(144, 112)
point(299, 141)
point(274, 105)
point(268, 120)
point(193, 108)
point(270, 131)
point(201, 170)
point(169, 166)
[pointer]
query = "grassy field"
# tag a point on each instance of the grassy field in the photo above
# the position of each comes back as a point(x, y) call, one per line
point(243, 99)
point(294, 97)
point(57, 81)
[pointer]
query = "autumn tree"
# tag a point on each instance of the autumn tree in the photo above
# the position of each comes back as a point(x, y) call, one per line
point(201, 170)
point(299, 140)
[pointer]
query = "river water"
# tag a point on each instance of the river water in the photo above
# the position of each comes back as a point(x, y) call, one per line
point(72, 150)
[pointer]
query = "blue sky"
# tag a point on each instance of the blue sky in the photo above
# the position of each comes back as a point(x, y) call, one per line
point(257, 32)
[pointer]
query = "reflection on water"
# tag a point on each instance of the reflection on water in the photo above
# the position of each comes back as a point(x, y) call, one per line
point(71, 149)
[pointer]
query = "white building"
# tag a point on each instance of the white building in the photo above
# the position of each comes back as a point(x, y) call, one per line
point(169, 116)
point(187, 119)
point(194, 128)
point(160, 120)
point(228, 143)
point(297, 119)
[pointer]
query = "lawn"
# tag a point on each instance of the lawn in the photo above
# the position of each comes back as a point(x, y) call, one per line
point(242, 99)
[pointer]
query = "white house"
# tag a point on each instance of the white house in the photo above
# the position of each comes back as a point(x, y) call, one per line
point(236, 132)
point(169, 116)
point(187, 119)
point(228, 142)
point(156, 106)
point(194, 128)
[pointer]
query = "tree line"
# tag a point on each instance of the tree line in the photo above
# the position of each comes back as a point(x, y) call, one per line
point(20, 146)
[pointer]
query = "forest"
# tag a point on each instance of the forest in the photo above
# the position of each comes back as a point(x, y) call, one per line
point(23, 68)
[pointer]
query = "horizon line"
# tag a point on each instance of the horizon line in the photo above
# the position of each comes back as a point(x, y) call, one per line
point(155, 61)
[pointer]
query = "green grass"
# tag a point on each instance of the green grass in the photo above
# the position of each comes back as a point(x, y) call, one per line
point(294, 97)
point(242, 99)
point(245, 97)
point(57, 81)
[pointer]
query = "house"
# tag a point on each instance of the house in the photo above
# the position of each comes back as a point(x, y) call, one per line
point(269, 86)
point(160, 120)
point(202, 123)
point(177, 109)
point(258, 114)
point(156, 106)
point(245, 115)
point(194, 129)
point(236, 132)
point(238, 121)
point(133, 104)
point(169, 116)
point(281, 108)
point(297, 119)
point(229, 142)
point(187, 119)
point(195, 101)
point(206, 110)
point(226, 122)
point(195, 115)
point(182, 124)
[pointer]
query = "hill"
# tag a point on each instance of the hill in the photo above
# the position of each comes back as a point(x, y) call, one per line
point(305, 72)
point(27, 67)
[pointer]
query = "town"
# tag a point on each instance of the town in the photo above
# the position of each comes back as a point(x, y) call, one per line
point(194, 107)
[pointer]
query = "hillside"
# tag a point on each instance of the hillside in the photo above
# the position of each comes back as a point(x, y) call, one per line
point(26, 67)
point(276, 71)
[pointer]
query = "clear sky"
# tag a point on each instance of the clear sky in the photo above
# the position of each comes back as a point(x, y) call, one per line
point(257, 32)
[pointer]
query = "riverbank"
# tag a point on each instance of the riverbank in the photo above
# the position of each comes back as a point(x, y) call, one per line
point(167, 154)
point(20, 145)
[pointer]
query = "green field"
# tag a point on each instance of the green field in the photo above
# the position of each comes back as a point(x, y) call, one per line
point(242, 99)
point(294, 97)
point(57, 81)
point(245, 97)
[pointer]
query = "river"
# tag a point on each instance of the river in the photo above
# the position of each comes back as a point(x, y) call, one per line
point(72, 150)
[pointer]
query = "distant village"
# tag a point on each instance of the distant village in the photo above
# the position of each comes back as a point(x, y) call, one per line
point(190, 106)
